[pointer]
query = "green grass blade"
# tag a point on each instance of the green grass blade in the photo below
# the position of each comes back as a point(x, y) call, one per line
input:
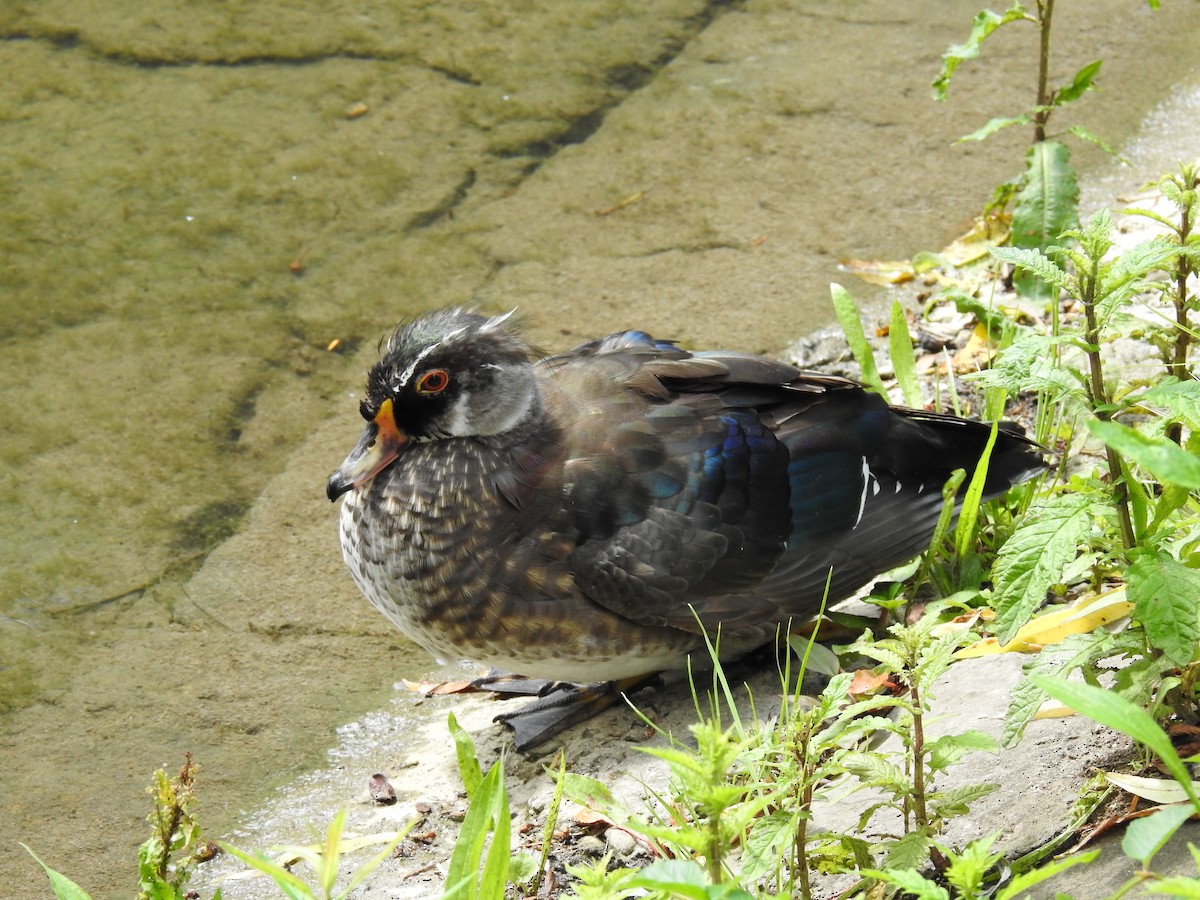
point(467, 862)
point(560, 779)
point(964, 533)
point(495, 868)
point(362, 872)
point(290, 885)
point(468, 762)
point(904, 362)
point(848, 317)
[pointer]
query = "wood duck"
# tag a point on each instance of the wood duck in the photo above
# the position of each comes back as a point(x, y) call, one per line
point(582, 517)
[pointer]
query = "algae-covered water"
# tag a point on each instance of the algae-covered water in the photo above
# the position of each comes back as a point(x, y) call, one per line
point(210, 212)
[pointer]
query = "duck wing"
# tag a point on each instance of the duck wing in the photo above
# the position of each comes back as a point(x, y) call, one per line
point(722, 488)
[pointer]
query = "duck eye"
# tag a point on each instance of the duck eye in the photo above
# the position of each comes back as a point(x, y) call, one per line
point(433, 382)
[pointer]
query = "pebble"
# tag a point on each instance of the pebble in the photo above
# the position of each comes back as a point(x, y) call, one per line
point(620, 842)
point(591, 845)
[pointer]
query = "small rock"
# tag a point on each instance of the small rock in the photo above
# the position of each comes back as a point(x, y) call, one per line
point(591, 845)
point(620, 842)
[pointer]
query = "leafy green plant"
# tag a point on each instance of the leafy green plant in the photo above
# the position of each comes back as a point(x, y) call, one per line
point(911, 655)
point(1134, 522)
point(967, 872)
point(753, 788)
point(482, 865)
point(166, 860)
point(1045, 198)
point(1181, 189)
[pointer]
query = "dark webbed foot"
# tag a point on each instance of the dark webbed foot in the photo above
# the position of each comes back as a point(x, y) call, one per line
point(561, 704)
point(505, 685)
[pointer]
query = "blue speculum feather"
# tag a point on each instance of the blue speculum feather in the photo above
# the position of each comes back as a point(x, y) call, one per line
point(826, 489)
point(748, 448)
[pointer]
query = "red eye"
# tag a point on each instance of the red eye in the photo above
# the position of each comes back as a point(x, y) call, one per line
point(434, 381)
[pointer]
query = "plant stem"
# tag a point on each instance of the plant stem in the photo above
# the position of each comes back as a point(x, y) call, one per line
point(1045, 14)
point(800, 855)
point(714, 848)
point(920, 814)
point(1098, 395)
point(1178, 365)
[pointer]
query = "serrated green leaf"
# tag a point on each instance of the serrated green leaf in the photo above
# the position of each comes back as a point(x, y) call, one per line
point(682, 877)
point(1181, 399)
point(1146, 836)
point(1160, 456)
point(885, 656)
point(871, 768)
point(908, 852)
point(934, 659)
point(1164, 593)
point(587, 791)
point(913, 884)
point(968, 868)
point(769, 837)
point(521, 868)
point(1048, 202)
point(957, 801)
point(1033, 557)
point(1149, 214)
point(1028, 364)
point(1035, 261)
point(950, 748)
point(984, 23)
point(850, 319)
point(1123, 277)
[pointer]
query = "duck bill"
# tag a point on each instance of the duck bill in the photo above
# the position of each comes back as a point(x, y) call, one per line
point(380, 444)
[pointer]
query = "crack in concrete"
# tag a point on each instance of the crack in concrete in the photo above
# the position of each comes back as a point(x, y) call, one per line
point(71, 39)
point(446, 207)
point(626, 80)
point(623, 81)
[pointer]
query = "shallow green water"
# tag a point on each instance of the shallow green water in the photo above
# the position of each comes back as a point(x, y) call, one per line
point(192, 210)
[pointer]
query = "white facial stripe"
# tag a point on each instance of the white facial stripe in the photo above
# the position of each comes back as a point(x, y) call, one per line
point(408, 373)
